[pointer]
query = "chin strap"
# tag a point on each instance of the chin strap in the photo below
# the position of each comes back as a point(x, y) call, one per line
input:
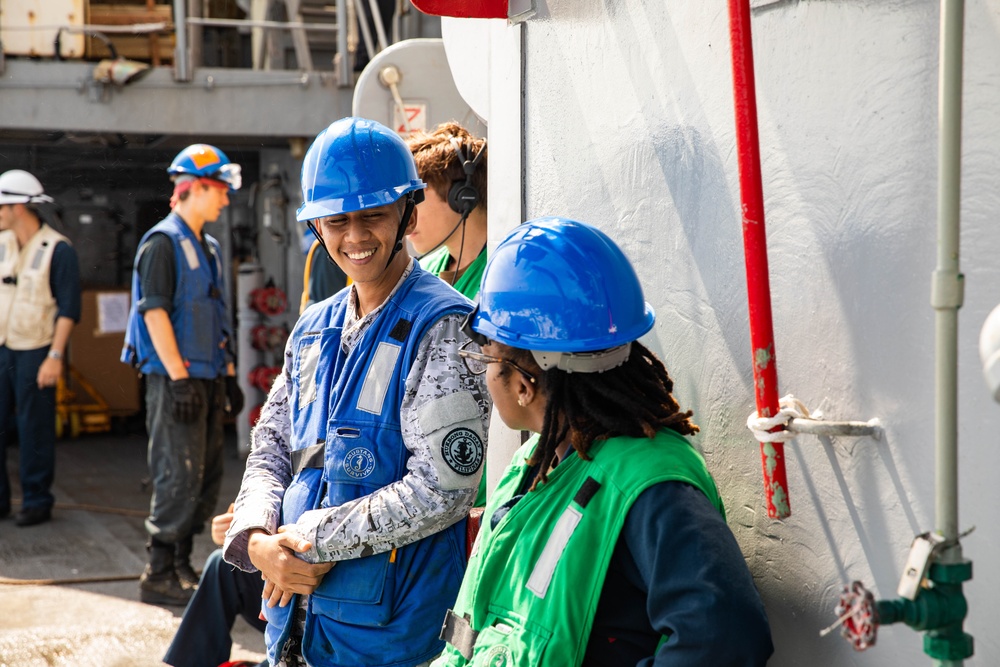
point(319, 238)
point(412, 199)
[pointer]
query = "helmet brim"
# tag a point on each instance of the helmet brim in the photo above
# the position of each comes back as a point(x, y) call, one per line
point(336, 206)
point(507, 336)
point(12, 198)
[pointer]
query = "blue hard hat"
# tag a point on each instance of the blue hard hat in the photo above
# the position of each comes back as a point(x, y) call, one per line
point(557, 285)
point(355, 164)
point(205, 161)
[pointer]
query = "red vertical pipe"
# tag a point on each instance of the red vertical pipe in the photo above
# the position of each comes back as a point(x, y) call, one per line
point(765, 372)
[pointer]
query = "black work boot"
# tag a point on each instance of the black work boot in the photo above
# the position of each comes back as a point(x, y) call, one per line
point(182, 563)
point(158, 583)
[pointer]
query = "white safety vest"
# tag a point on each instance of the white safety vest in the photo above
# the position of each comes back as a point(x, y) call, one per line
point(27, 307)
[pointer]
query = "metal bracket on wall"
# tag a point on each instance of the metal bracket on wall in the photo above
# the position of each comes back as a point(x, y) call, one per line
point(871, 428)
point(519, 11)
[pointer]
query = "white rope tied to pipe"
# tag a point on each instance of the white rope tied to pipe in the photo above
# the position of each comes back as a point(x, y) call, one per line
point(789, 408)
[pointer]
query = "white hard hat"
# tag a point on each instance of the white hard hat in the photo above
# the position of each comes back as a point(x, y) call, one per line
point(19, 187)
point(989, 351)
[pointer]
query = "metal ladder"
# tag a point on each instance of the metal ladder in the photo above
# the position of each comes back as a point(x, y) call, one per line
point(363, 20)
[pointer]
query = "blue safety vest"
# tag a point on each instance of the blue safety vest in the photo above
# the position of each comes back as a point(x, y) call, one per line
point(198, 314)
point(383, 609)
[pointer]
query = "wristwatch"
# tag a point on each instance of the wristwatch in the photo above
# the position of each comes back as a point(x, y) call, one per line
point(54, 354)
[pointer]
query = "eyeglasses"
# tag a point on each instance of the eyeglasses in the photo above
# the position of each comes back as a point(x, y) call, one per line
point(477, 362)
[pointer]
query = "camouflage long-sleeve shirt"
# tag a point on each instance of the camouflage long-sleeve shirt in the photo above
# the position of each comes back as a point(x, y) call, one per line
point(430, 496)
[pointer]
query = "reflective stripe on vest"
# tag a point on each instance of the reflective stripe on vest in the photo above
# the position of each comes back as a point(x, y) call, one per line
point(346, 443)
point(198, 313)
point(535, 579)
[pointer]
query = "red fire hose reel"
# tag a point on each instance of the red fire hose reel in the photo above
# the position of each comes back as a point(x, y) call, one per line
point(263, 377)
point(263, 337)
point(269, 300)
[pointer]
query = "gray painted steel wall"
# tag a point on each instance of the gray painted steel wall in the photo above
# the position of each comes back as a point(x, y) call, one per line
point(628, 124)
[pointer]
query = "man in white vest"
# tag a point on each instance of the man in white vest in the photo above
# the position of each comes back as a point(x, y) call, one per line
point(39, 305)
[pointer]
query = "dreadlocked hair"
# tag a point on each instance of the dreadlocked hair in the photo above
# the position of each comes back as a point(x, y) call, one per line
point(634, 399)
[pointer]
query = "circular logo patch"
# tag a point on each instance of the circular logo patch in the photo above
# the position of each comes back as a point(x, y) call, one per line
point(359, 462)
point(499, 656)
point(463, 451)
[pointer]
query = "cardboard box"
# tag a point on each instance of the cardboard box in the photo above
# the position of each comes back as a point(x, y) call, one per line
point(96, 346)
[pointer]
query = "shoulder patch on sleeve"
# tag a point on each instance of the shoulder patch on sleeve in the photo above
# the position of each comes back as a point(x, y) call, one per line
point(463, 450)
point(454, 433)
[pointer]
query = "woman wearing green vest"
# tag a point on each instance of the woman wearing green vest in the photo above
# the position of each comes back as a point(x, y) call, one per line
point(605, 542)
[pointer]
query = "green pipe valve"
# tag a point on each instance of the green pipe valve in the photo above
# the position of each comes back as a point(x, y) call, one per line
point(939, 609)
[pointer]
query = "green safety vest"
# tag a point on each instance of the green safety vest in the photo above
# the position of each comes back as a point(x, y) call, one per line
point(532, 586)
point(468, 282)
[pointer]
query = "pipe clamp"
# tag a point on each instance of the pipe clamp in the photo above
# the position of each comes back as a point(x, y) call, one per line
point(947, 289)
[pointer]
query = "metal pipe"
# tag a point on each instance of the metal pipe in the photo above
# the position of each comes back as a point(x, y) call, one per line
point(397, 22)
point(196, 36)
point(948, 645)
point(765, 372)
point(344, 77)
point(131, 29)
point(209, 81)
point(940, 608)
point(182, 71)
point(822, 427)
point(249, 23)
point(366, 31)
point(947, 288)
point(379, 26)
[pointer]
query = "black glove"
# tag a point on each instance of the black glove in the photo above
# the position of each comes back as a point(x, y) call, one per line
point(187, 402)
point(235, 395)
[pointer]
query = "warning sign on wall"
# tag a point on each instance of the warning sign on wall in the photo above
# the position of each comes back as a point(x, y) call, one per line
point(414, 121)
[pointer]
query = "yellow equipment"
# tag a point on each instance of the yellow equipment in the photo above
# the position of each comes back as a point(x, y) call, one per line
point(80, 407)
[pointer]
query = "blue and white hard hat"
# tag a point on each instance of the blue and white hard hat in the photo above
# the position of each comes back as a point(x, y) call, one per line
point(206, 161)
point(355, 164)
point(565, 291)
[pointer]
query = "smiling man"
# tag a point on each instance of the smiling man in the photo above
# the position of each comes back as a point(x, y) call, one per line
point(369, 450)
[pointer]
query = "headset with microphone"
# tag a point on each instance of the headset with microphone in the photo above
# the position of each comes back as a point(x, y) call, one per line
point(463, 197)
